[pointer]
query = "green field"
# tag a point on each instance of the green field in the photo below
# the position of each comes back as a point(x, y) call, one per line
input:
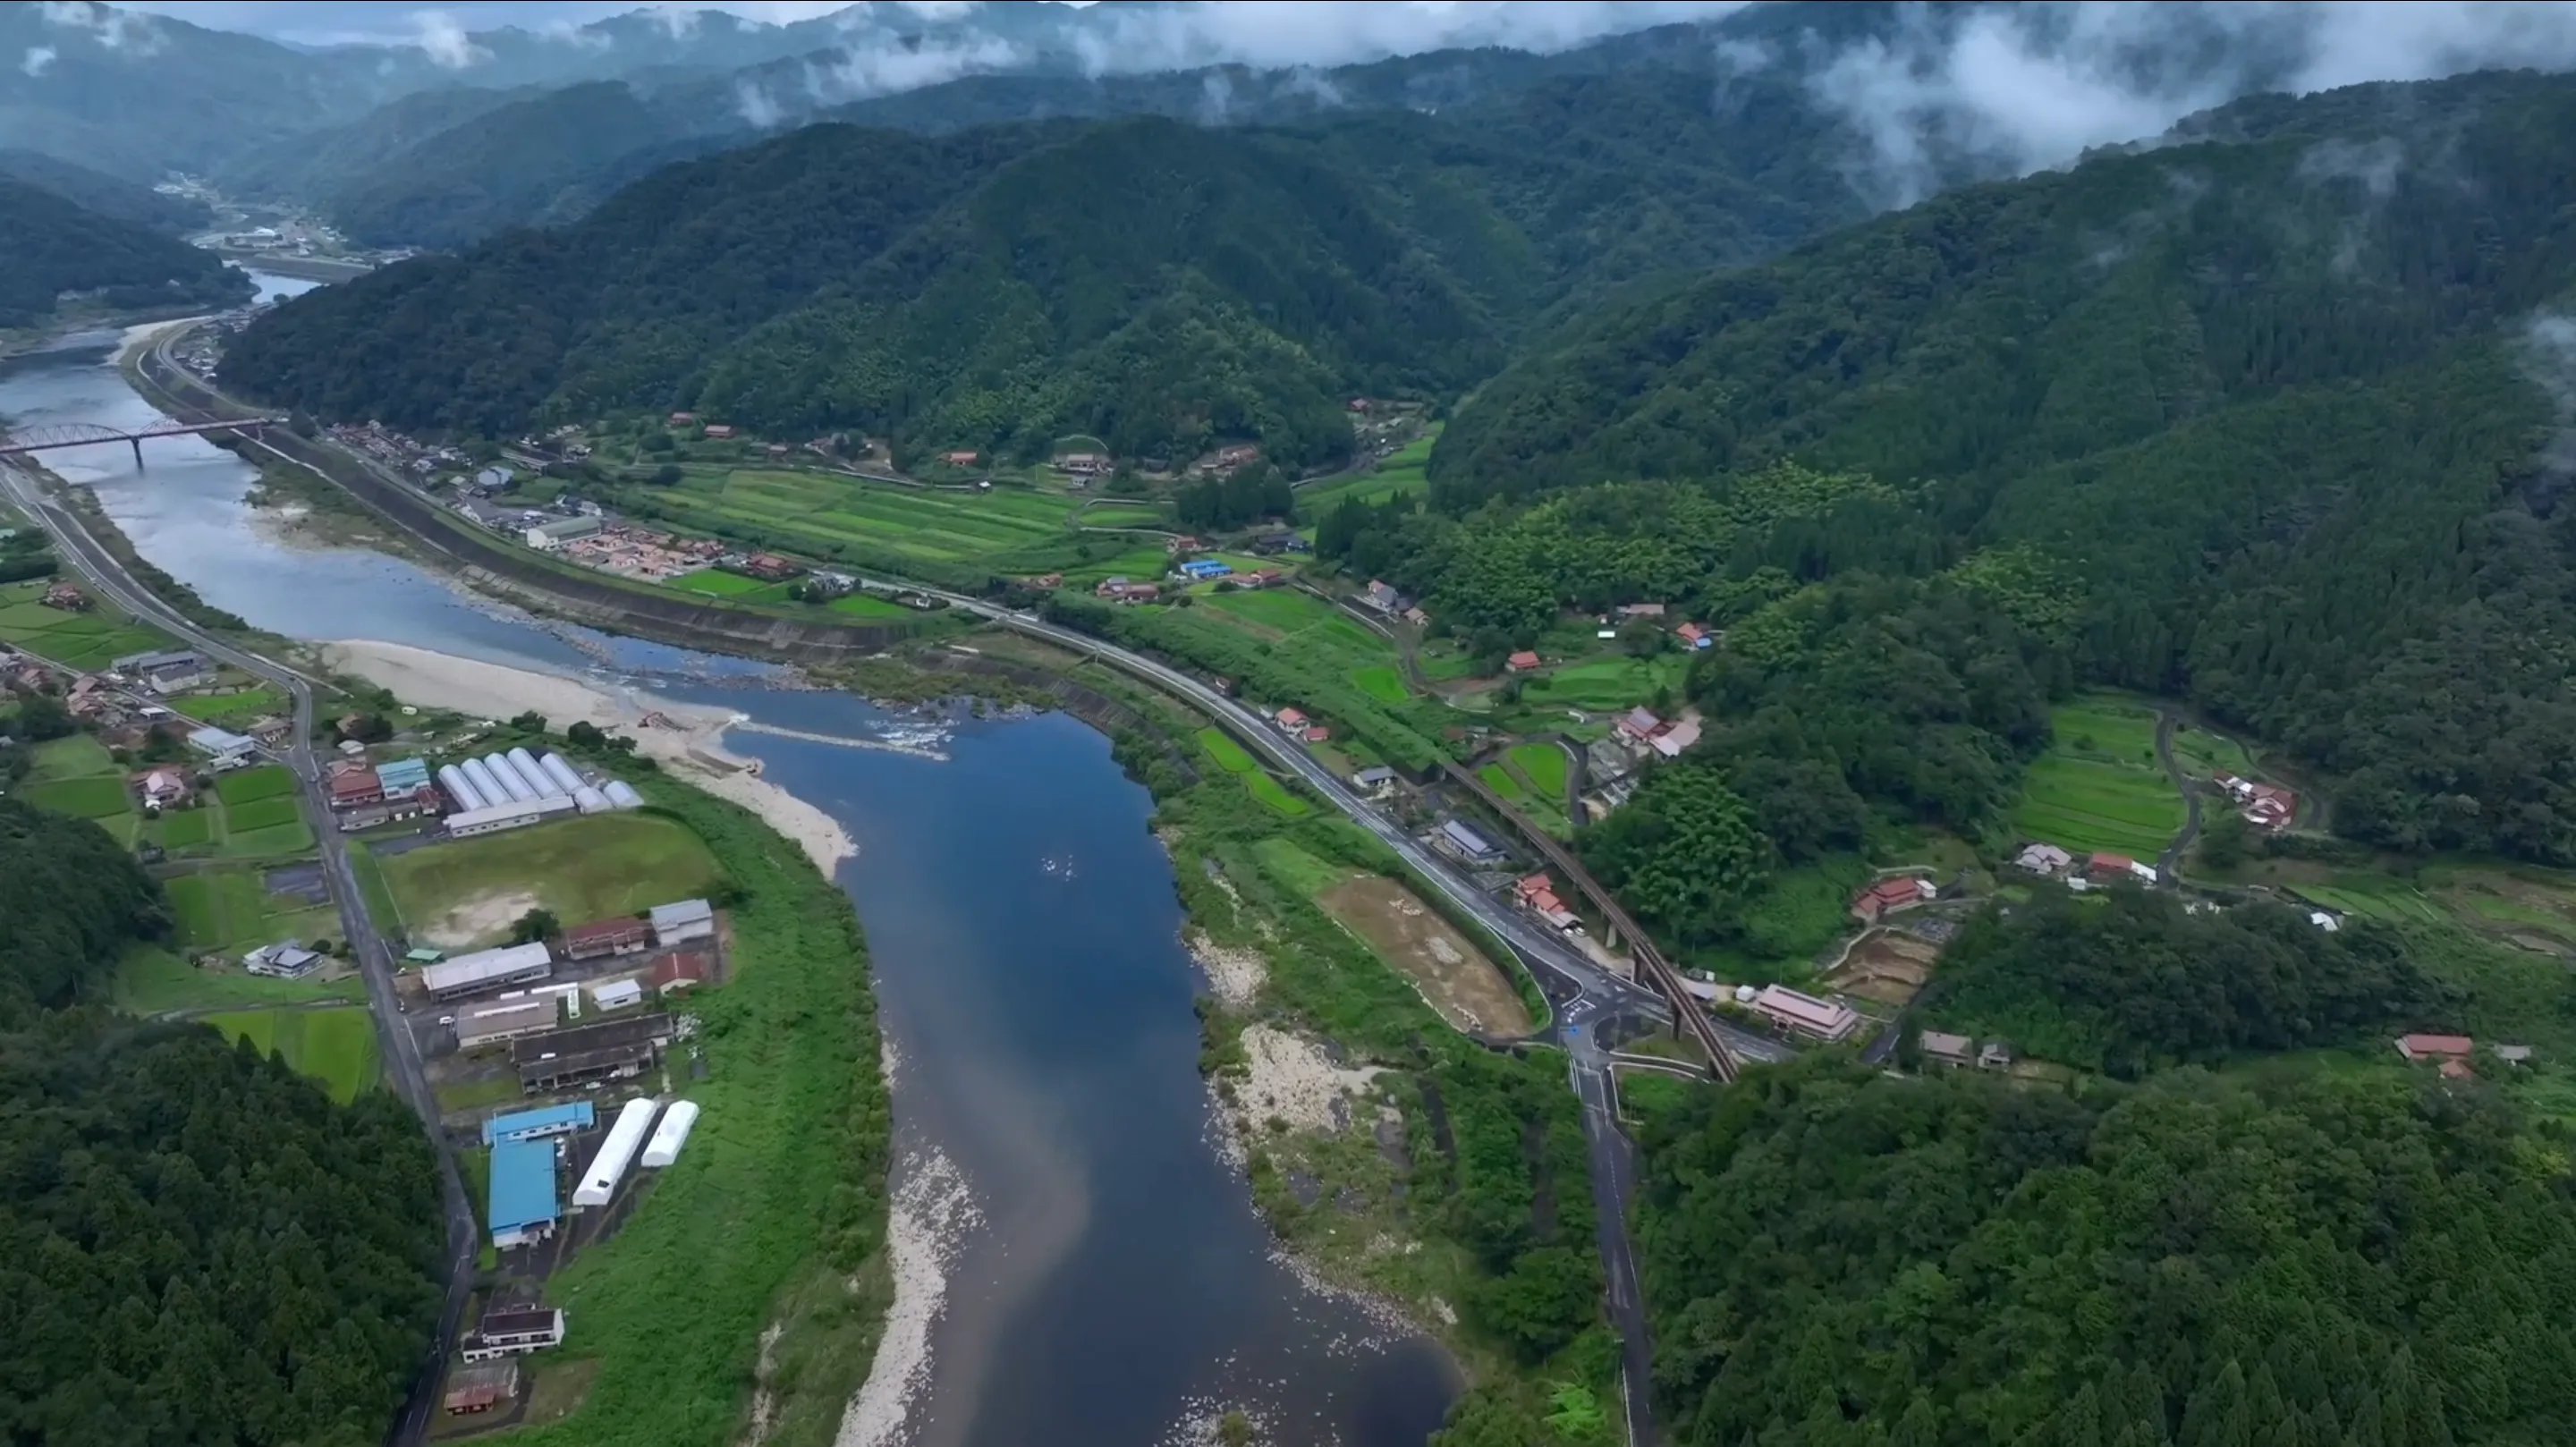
point(96, 797)
point(334, 1044)
point(259, 814)
point(1380, 682)
point(72, 757)
point(86, 640)
point(1296, 868)
point(243, 786)
point(2099, 786)
point(1544, 765)
point(1607, 685)
point(822, 513)
point(229, 909)
point(153, 981)
point(182, 828)
point(1275, 794)
point(1399, 473)
point(865, 605)
point(242, 703)
point(469, 892)
point(1228, 754)
point(1500, 780)
point(1123, 515)
point(2204, 754)
point(2374, 898)
point(716, 583)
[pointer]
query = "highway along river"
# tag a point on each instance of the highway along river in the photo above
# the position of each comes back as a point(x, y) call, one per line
point(1102, 1277)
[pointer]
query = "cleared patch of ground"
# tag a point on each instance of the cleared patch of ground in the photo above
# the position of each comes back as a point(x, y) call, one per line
point(470, 921)
point(1453, 976)
point(1888, 966)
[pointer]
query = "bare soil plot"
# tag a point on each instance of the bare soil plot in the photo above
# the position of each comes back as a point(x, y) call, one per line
point(1455, 978)
point(1885, 965)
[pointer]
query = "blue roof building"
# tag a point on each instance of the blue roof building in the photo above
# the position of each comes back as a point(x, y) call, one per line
point(403, 776)
point(528, 1125)
point(1206, 568)
point(521, 1204)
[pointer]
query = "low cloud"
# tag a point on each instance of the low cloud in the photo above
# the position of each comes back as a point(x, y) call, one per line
point(1342, 32)
point(2549, 360)
point(438, 35)
point(884, 70)
point(755, 106)
point(39, 59)
point(115, 29)
point(2027, 87)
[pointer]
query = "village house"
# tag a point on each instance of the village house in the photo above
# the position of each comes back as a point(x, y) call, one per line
point(1260, 578)
point(719, 432)
point(1046, 581)
point(1123, 590)
point(166, 672)
point(1374, 778)
point(1520, 662)
point(1289, 721)
point(1890, 895)
point(1538, 894)
point(1181, 543)
point(1317, 734)
point(2452, 1051)
point(1381, 597)
point(1803, 1014)
point(1417, 617)
point(2044, 859)
point(285, 960)
point(684, 419)
point(1084, 464)
point(1641, 610)
point(1638, 725)
point(165, 789)
point(680, 970)
point(1694, 636)
point(960, 459)
point(769, 567)
point(1358, 404)
point(1237, 455)
point(1953, 1050)
point(2268, 807)
point(2105, 868)
point(66, 596)
point(354, 785)
point(1670, 740)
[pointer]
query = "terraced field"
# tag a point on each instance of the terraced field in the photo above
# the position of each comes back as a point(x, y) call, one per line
point(944, 527)
point(83, 639)
point(2099, 786)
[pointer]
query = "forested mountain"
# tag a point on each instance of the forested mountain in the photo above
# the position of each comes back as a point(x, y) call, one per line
point(1158, 284)
point(104, 195)
point(196, 1244)
point(50, 247)
point(1837, 1258)
point(2265, 421)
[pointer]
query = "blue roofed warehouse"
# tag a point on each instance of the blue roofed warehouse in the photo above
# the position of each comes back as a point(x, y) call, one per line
point(521, 1204)
point(528, 1125)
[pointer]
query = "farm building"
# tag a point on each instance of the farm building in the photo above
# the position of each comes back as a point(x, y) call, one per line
point(602, 938)
point(285, 960)
point(354, 786)
point(677, 971)
point(687, 919)
point(2044, 859)
point(1373, 778)
point(1805, 1014)
point(545, 1120)
point(223, 746)
point(1202, 569)
point(1943, 1049)
point(546, 537)
point(466, 823)
point(402, 776)
point(2265, 806)
point(608, 1167)
point(1467, 844)
point(490, 1024)
point(520, 1203)
point(1887, 896)
point(2107, 867)
point(1675, 737)
point(671, 1134)
point(617, 994)
point(484, 969)
point(510, 1331)
point(605, 1051)
point(481, 1387)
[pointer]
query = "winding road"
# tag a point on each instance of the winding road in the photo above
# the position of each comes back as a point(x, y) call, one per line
point(2169, 862)
point(399, 1048)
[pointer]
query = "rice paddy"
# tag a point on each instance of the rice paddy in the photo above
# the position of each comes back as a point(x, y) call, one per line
point(821, 514)
point(2099, 787)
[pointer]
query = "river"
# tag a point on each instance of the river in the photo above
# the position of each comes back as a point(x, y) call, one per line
point(1109, 1278)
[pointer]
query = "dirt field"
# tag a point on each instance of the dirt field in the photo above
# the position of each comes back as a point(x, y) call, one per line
point(1454, 977)
point(1886, 966)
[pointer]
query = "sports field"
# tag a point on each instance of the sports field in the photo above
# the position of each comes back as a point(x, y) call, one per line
point(823, 511)
point(86, 639)
point(2099, 786)
point(468, 893)
point(334, 1044)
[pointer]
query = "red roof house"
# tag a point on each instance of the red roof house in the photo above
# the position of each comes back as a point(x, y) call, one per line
point(1887, 896)
point(1521, 662)
point(2434, 1047)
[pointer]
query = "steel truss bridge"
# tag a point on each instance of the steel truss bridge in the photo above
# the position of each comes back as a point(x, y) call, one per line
point(92, 434)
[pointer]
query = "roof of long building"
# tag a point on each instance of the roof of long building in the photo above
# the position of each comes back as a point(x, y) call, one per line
point(523, 1185)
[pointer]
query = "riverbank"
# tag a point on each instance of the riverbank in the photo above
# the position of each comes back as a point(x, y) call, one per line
point(692, 747)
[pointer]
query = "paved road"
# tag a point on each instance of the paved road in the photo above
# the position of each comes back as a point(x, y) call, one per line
point(2169, 864)
point(1588, 998)
point(400, 1050)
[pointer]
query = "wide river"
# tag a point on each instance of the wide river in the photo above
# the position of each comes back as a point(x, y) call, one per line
point(1107, 1281)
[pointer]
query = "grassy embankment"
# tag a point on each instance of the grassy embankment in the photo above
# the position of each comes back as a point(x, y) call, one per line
point(775, 1215)
point(1480, 1220)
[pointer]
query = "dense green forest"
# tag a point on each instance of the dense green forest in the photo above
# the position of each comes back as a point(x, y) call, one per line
point(196, 1243)
point(2271, 398)
point(104, 195)
point(50, 247)
point(1163, 285)
point(1834, 1256)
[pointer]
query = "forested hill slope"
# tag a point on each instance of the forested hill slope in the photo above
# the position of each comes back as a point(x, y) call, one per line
point(110, 196)
point(49, 247)
point(1155, 283)
point(2279, 406)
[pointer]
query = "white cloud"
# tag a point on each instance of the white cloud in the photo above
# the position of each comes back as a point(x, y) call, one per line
point(2549, 359)
point(1340, 32)
point(444, 41)
point(39, 59)
point(884, 70)
point(755, 106)
point(114, 29)
point(2031, 86)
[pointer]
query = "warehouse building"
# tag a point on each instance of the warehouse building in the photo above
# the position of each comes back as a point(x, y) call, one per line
point(671, 1134)
point(481, 1387)
point(465, 823)
point(490, 1024)
point(618, 994)
point(529, 1125)
point(606, 1051)
point(616, 1153)
point(485, 969)
point(689, 919)
point(520, 1203)
point(511, 1331)
point(602, 938)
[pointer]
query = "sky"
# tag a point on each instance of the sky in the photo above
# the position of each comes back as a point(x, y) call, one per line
point(323, 22)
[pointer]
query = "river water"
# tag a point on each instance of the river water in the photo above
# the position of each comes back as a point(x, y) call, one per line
point(1108, 1280)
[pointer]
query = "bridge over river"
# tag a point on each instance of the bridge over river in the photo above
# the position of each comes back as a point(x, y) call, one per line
point(91, 434)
